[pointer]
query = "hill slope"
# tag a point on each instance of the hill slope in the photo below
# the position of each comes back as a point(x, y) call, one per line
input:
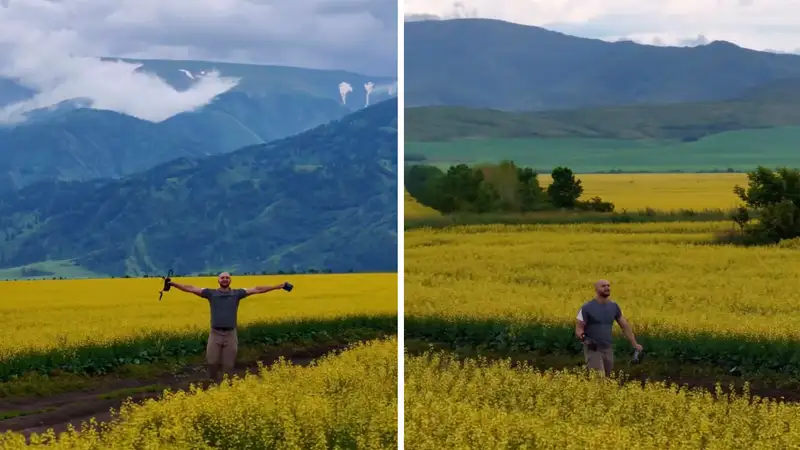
point(772, 105)
point(86, 143)
point(326, 198)
point(73, 143)
point(488, 63)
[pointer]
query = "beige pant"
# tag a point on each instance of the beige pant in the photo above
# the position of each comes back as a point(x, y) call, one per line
point(221, 348)
point(601, 360)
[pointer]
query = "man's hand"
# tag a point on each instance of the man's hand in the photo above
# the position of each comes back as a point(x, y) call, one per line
point(637, 346)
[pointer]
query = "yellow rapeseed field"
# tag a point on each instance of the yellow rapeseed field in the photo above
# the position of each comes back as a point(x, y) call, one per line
point(494, 406)
point(414, 209)
point(663, 275)
point(345, 401)
point(632, 192)
point(667, 192)
point(42, 315)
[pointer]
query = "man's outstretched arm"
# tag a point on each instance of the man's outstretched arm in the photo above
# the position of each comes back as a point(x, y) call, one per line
point(187, 288)
point(263, 289)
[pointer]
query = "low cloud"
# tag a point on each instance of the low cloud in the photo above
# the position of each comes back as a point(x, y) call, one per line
point(52, 47)
point(43, 64)
point(694, 42)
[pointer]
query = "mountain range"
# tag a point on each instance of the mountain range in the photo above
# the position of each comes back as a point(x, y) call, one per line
point(325, 198)
point(482, 63)
point(483, 91)
point(73, 142)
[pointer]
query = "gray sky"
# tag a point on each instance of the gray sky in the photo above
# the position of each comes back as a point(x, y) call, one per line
point(358, 35)
point(50, 45)
point(757, 24)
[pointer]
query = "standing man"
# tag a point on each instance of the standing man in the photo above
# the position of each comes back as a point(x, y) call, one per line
point(595, 321)
point(223, 342)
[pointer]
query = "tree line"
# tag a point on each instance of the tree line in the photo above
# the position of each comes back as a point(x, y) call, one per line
point(770, 212)
point(494, 188)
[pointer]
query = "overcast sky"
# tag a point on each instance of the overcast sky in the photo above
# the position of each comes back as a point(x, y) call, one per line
point(358, 35)
point(48, 45)
point(757, 24)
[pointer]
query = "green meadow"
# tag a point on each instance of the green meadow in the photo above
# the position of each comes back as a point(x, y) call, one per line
point(740, 150)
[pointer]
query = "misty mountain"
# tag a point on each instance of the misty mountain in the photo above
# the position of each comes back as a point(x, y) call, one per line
point(254, 80)
point(73, 142)
point(80, 144)
point(481, 63)
point(258, 79)
point(325, 199)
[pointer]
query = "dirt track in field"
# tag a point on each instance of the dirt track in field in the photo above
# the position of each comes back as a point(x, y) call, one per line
point(37, 415)
point(758, 387)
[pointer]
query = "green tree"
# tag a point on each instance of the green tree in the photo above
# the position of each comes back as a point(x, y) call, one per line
point(502, 187)
point(775, 198)
point(488, 199)
point(422, 182)
point(501, 181)
point(530, 193)
point(565, 190)
point(460, 190)
point(596, 204)
point(741, 217)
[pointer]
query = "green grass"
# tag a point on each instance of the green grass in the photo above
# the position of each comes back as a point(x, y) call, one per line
point(739, 150)
point(37, 384)
point(100, 359)
point(563, 218)
point(5, 415)
point(34, 384)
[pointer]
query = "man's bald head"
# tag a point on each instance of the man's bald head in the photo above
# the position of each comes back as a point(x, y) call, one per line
point(602, 289)
point(224, 280)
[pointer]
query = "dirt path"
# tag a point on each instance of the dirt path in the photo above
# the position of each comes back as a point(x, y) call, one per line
point(708, 384)
point(636, 374)
point(37, 415)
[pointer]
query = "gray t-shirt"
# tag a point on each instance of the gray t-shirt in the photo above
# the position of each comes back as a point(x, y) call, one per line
point(224, 306)
point(599, 319)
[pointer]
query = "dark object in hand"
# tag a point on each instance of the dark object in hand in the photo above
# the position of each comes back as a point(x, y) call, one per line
point(638, 356)
point(167, 284)
point(590, 344)
point(288, 286)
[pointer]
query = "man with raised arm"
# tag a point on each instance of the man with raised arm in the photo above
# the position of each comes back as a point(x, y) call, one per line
point(593, 327)
point(223, 342)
